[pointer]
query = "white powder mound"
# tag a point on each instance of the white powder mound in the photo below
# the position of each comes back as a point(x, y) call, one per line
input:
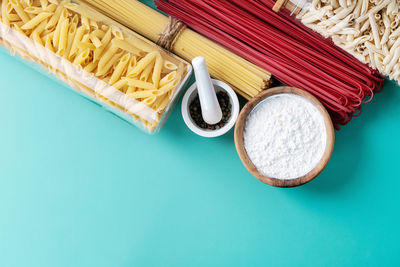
point(285, 136)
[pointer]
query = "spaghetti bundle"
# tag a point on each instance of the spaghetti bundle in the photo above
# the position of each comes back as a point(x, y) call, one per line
point(246, 78)
point(295, 55)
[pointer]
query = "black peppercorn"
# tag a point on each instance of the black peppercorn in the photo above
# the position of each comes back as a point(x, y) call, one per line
point(226, 108)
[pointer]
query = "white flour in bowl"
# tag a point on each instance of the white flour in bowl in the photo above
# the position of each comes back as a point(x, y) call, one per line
point(285, 136)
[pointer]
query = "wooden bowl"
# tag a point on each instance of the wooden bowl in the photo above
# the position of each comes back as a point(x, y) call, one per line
point(239, 143)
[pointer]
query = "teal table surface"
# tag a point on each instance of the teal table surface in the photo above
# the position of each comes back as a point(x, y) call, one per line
point(80, 187)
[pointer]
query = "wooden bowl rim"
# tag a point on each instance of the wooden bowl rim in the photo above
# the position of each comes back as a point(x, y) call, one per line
point(239, 142)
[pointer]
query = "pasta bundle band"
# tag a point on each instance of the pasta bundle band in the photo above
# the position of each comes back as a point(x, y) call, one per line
point(96, 56)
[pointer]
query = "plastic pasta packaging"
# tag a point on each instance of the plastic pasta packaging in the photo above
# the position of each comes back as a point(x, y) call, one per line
point(369, 30)
point(105, 62)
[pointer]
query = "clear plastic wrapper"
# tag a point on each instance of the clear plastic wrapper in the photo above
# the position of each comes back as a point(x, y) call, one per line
point(105, 62)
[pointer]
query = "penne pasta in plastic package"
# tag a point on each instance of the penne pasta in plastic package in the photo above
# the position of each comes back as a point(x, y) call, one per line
point(102, 60)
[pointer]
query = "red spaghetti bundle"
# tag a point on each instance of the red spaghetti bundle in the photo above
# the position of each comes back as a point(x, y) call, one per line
point(292, 53)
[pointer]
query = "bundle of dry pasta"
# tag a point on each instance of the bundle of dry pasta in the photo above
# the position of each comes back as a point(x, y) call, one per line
point(367, 29)
point(246, 78)
point(131, 76)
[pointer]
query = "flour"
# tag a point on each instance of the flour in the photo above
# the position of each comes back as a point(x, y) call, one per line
point(285, 136)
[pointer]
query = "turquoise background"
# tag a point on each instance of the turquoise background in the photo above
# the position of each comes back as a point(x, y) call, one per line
point(79, 187)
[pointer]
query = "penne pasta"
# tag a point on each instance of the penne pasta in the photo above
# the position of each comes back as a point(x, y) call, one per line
point(103, 69)
point(168, 65)
point(150, 100)
point(168, 87)
point(20, 10)
point(120, 84)
point(95, 40)
point(145, 75)
point(4, 13)
point(85, 45)
point(117, 33)
point(98, 33)
point(82, 57)
point(55, 18)
point(105, 42)
point(108, 54)
point(36, 37)
point(57, 31)
point(124, 71)
point(49, 43)
point(70, 40)
point(168, 78)
point(33, 10)
point(159, 62)
point(12, 18)
point(127, 47)
point(90, 67)
point(140, 84)
point(36, 21)
point(141, 65)
point(144, 94)
point(80, 32)
point(120, 68)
